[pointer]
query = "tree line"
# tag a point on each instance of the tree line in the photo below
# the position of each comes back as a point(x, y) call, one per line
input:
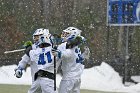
point(20, 18)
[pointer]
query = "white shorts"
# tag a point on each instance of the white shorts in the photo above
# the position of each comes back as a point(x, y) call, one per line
point(70, 86)
point(42, 85)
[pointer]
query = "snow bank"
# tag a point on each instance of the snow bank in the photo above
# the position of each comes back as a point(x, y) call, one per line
point(103, 78)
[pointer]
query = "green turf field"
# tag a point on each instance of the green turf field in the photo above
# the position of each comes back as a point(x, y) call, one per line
point(24, 88)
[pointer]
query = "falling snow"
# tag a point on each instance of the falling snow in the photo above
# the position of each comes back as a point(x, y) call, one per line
point(20, 18)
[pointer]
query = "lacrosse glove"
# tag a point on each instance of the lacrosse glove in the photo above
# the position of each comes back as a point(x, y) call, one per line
point(56, 52)
point(18, 72)
point(75, 42)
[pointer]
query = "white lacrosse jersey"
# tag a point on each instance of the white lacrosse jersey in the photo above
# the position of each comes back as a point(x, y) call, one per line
point(71, 66)
point(42, 58)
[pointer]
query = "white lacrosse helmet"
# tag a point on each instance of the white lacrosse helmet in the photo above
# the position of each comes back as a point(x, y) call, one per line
point(37, 33)
point(44, 39)
point(40, 32)
point(70, 33)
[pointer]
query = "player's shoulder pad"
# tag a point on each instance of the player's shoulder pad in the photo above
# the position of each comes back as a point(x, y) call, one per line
point(28, 50)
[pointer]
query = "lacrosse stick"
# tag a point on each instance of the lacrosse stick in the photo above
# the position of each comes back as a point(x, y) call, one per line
point(13, 51)
point(56, 40)
point(26, 44)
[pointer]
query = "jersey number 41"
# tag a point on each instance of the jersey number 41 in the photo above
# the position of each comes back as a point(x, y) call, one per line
point(42, 60)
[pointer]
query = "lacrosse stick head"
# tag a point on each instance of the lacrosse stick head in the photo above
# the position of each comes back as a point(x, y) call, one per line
point(27, 44)
point(56, 40)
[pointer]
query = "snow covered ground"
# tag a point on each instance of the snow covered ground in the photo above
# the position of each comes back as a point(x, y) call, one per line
point(102, 78)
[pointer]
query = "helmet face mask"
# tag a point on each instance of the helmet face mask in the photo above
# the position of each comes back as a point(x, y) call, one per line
point(65, 34)
point(43, 39)
point(70, 33)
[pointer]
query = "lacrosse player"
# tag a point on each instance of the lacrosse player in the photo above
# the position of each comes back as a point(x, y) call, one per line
point(28, 59)
point(72, 60)
point(25, 59)
point(43, 62)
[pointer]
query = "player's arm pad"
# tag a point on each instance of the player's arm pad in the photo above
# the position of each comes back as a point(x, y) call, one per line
point(28, 50)
point(73, 43)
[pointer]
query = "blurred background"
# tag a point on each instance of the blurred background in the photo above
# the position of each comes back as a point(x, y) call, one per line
point(20, 18)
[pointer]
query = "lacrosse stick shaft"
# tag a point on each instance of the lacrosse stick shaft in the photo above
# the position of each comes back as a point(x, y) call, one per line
point(54, 73)
point(13, 51)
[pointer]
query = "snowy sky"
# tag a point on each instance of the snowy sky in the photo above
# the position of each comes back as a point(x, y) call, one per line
point(101, 77)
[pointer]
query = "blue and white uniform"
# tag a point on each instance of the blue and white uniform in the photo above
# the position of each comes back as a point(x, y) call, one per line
point(72, 68)
point(42, 59)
